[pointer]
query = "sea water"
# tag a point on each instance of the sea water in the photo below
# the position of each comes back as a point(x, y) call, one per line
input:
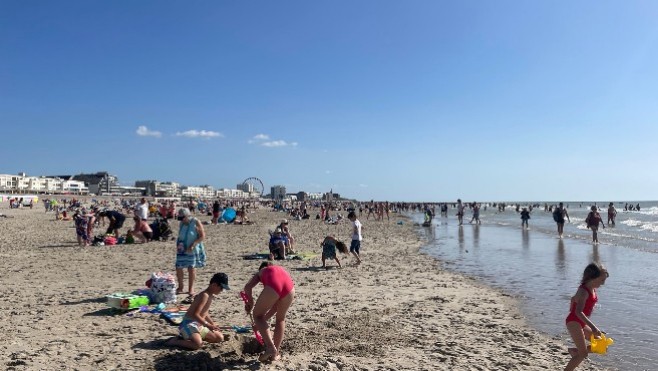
point(544, 271)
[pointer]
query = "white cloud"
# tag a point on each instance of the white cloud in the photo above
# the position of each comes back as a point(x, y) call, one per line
point(258, 138)
point(143, 131)
point(200, 134)
point(278, 143)
point(264, 140)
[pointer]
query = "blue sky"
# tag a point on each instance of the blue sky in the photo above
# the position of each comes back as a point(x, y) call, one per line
point(391, 100)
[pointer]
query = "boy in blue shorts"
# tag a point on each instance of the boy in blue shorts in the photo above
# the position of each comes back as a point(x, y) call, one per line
point(197, 326)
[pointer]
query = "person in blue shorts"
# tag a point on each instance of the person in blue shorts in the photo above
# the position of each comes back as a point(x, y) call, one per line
point(355, 246)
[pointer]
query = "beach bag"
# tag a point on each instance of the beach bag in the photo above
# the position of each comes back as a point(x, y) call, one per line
point(110, 241)
point(162, 288)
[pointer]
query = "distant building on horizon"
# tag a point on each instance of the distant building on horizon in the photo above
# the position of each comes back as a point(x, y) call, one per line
point(22, 183)
point(154, 188)
point(278, 192)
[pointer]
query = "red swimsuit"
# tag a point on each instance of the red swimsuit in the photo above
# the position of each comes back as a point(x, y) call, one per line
point(277, 278)
point(589, 307)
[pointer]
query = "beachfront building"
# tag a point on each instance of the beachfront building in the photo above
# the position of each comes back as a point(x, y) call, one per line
point(98, 183)
point(231, 193)
point(278, 192)
point(315, 195)
point(204, 191)
point(154, 188)
point(22, 183)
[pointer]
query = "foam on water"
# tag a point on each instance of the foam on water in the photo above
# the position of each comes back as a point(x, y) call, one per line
point(631, 222)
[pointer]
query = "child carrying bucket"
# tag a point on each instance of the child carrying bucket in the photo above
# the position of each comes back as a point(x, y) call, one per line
point(582, 304)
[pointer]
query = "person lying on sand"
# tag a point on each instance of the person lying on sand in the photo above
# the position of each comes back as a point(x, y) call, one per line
point(197, 326)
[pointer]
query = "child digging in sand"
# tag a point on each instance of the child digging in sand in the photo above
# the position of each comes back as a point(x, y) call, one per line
point(329, 246)
point(578, 323)
point(197, 326)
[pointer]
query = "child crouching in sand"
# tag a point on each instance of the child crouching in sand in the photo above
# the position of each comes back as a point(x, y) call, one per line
point(329, 246)
point(197, 326)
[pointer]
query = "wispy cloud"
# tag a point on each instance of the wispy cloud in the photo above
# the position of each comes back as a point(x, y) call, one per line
point(278, 143)
point(200, 134)
point(258, 138)
point(363, 185)
point(264, 140)
point(143, 131)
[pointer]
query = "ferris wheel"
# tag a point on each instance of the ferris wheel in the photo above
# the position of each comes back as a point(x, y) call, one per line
point(253, 184)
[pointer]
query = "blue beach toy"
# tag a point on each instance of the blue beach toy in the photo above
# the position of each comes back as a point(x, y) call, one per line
point(229, 214)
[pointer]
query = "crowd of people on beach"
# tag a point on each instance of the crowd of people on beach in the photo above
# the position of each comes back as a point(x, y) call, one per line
point(278, 292)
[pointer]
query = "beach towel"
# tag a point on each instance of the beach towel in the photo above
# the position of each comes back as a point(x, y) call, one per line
point(174, 316)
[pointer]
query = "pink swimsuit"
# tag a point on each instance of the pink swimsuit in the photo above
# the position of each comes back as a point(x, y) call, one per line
point(278, 279)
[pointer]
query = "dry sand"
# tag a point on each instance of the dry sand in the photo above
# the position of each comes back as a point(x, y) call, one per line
point(399, 310)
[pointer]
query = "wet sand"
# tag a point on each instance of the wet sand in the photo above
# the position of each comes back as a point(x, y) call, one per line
point(399, 310)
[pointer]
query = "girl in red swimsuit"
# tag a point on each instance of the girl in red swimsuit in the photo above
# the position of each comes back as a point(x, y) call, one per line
point(578, 323)
point(275, 299)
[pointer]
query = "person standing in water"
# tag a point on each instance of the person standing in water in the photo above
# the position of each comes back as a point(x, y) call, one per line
point(559, 214)
point(612, 214)
point(593, 219)
point(460, 211)
point(525, 215)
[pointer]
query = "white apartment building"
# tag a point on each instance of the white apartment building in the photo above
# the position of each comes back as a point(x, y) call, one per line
point(198, 192)
point(22, 183)
point(231, 193)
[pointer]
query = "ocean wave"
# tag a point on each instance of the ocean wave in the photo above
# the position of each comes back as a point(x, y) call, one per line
point(649, 211)
point(631, 222)
point(653, 227)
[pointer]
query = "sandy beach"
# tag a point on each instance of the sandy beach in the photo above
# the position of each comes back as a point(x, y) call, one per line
point(399, 310)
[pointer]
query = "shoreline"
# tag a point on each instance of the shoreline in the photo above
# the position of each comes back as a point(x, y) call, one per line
point(399, 310)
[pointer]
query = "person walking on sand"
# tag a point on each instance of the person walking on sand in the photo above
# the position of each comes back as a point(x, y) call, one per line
point(559, 213)
point(275, 300)
point(197, 326)
point(578, 323)
point(355, 245)
point(612, 214)
point(190, 252)
point(593, 219)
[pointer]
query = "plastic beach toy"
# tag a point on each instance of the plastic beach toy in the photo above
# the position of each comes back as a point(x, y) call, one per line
point(126, 301)
point(600, 344)
point(259, 338)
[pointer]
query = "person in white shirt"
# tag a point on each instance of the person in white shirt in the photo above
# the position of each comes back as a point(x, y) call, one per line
point(355, 246)
point(142, 209)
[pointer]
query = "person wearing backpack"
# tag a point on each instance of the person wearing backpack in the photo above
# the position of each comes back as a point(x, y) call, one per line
point(559, 213)
point(593, 219)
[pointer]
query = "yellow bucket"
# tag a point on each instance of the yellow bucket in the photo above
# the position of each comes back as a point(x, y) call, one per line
point(600, 344)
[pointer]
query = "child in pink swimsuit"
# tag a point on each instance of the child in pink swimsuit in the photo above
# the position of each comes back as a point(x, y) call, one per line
point(275, 299)
point(582, 304)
